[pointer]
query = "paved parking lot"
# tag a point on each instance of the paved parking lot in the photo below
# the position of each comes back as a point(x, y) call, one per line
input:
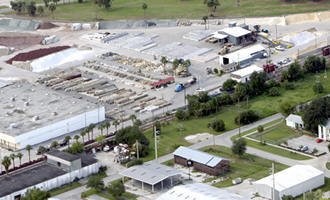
point(308, 141)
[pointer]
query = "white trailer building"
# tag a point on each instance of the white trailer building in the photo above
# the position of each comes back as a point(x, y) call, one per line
point(294, 121)
point(293, 181)
point(32, 114)
point(243, 75)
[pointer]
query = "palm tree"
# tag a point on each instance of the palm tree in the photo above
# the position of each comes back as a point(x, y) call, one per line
point(92, 126)
point(13, 156)
point(52, 8)
point(88, 130)
point(144, 8)
point(133, 118)
point(101, 127)
point(107, 126)
point(68, 138)
point(164, 61)
point(29, 148)
point(54, 144)
point(116, 123)
point(212, 5)
point(76, 137)
point(205, 18)
point(40, 10)
point(6, 163)
point(175, 64)
point(19, 156)
point(82, 134)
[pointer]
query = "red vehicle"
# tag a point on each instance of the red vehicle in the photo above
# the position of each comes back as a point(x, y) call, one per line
point(319, 140)
point(269, 68)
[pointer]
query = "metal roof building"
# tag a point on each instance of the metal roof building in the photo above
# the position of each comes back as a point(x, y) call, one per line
point(151, 173)
point(243, 75)
point(293, 181)
point(294, 121)
point(202, 161)
point(199, 191)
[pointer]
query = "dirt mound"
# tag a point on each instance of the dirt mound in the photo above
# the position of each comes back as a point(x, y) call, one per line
point(31, 55)
point(47, 25)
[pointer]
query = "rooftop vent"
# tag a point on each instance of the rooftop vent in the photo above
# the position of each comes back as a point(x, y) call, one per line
point(12, 99)
point(54, 113)
point(35, 118)
point(26, 103)
point(13, 125)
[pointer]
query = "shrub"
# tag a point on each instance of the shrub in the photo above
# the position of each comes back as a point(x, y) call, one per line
point(218, 125)
point(246, 117)
point(273, 83)
point(181, 114)
point(239, 147)
point(229, 85)
point(286, 85)
point(286, 108)
point(274, 91)
point(134, 162)
point(318, 88)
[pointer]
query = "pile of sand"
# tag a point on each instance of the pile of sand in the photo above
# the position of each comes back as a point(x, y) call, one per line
point(198, 137)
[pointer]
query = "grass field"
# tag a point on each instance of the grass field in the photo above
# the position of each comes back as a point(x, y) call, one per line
point(249, 166)
point(64, 188)
point(166, 9)
point(278, 135)
point(328, 165)
point(171, 138)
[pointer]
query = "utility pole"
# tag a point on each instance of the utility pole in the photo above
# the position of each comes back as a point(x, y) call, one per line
point(185, 99)
point(155, 135)
point(273, 171)
point(137, 150)
point(276, 31)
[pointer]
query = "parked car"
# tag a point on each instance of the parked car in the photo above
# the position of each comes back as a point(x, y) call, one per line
point(305, 148)
point(279, 48)
point(319, 140)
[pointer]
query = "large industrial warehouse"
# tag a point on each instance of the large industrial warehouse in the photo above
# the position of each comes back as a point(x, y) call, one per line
point(293, 181)
point(32, 114)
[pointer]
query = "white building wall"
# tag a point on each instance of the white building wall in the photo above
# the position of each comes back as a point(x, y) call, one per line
point(61, 128)
point(290, 124)
point(324, 133)
point(58, 181)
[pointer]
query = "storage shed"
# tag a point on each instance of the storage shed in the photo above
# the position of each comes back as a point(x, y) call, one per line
point(201, 161)
point(199, 191)
point(293, 181)
point(237, 35)
point(243, 75)
point(294, 121)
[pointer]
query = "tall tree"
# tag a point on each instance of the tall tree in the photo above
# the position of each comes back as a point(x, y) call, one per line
point(239, 147)
point(212, 5)
point(20, 156)
point(76, 137)
point(95, 182)
point(52, 8)
point(36, 194)
point(54, 144)
point(82, 134)
point(6, 163)
point(258, 82)
point(40, 10)
point(164, 61)
point(175, 65)
point(68, 138)
point(87, 130)
point(13, 156)
point(29, 148)
point(133, 118)
point(107, 126)
point(101, 127)
point(91, 127)
point(116, 189)
point(205, 18)
point(144, 8)
point(116, 124)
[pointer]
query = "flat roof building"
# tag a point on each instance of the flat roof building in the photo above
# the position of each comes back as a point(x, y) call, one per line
point(48, 175)
point(31, 114)
point(242, 57)
point(237, 35)
point(243, 75)
point(293, 181)
point(199, 191)
point(201, 161)
point(294, 121)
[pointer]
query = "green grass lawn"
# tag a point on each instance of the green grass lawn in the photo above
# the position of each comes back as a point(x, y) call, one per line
point(165, 9)
point(249, 166)
point(171, 138)
point(278, 135)
point(277, 151)
point(328, 165)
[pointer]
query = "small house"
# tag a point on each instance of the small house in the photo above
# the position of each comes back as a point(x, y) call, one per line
point(294, 121)
point(201, 161)
point(243, 75)
point(324, 131)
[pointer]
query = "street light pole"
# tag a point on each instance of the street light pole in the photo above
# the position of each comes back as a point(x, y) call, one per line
point(156, 151)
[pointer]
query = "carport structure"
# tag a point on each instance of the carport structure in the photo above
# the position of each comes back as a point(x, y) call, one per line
point(151, 173)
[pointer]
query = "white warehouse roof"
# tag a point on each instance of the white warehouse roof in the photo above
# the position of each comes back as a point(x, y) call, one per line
point(244, 54)
point(291, 177)
point(198, 156)
point(247, 71)
point(199, 191)
point(235, 31)
point(295, 118)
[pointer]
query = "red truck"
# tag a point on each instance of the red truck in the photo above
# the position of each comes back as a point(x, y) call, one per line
point(269, 68)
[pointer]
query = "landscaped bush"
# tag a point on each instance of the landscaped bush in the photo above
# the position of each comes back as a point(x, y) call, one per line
point(273, 92)
point(287, 85)
point(246, 117)
point(286, 108)
point(318, 88)
point(218, 125)
point(134, 162)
